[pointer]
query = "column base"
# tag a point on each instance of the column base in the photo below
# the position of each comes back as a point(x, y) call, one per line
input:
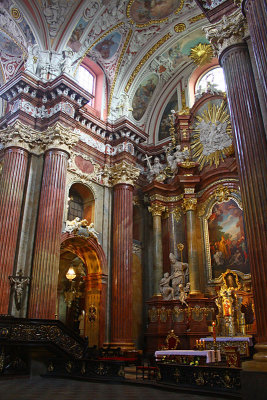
point(196, 294)
point(254, 375)
point(259, 362)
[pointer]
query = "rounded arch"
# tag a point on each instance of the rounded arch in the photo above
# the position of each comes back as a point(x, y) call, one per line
point(88, 250)
point(87, 196)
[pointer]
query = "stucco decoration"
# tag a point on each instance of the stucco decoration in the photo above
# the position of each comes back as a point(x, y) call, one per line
point(55, 12)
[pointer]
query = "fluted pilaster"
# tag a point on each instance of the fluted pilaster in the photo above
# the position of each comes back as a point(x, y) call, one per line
point(12, 183)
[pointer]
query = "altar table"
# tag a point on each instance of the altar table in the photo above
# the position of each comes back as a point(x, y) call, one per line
point(241, 342)
point(211, 355)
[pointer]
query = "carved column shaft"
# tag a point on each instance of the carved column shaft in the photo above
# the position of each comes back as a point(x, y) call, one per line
point(251, 153)
point(123, 175)
point(43, 293)
point(190, 208)
point(255, 12)
point(11, 195)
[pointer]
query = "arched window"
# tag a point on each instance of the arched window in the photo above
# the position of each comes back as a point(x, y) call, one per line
point(87, 81)
point(75, 206)
point(212, 78)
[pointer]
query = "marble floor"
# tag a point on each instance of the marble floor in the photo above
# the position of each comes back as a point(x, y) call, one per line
point(38, 388)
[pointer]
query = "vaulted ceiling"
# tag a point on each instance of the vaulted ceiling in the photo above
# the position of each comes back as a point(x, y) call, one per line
point(133, 41)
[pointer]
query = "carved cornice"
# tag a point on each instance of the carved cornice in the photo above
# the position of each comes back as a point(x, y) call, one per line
point(23, 136)
point(156, 209)
point(124, 172)
point(189, 203)
point(230, 30)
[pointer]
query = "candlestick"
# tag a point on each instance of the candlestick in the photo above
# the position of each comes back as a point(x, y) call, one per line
point(214, 330)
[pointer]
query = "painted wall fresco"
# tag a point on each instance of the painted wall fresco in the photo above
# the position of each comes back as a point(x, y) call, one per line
point(108, 46)
point(227, 239)
point(143, 95)
point(164, 127)
point(144, 11)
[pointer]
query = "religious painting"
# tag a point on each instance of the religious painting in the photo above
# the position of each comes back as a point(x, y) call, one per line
point(164, 127)
point(143, 95)
point(151, 11)
point(228, 249)
point(77, 32)
point(109, 45)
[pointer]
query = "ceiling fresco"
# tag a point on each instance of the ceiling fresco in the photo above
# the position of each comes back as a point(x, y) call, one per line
point(129, 39)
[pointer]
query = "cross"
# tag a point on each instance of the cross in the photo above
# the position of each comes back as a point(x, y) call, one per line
point(148, 162)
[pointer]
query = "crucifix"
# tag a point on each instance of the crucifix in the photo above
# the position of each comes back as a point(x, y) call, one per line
point(148, 161)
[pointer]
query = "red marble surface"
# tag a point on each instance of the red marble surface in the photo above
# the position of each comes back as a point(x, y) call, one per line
point(42, 302)
point(121, 304)
point(251, 154)
point(11, 196)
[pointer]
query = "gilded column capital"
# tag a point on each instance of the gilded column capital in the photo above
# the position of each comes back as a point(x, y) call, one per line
point(230, 30)
point(124, 172)
point(22, 136)
point(156, 209)
point(189, 203)
point(59, 137)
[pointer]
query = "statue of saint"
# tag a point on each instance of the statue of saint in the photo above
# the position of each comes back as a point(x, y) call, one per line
point(179, 273)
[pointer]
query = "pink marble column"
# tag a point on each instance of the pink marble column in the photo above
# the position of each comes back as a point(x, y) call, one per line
point(42, 302)
point(12, 183)
point(124, 175)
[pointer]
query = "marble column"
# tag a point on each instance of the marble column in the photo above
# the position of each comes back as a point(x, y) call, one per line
point(189, 205)
point(12, 183)
point(43, 293)
point(255, 12)
point(124, 176)
point(156, 211)
point(250, 149)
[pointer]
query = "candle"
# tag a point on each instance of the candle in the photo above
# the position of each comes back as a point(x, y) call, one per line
point(214, 331)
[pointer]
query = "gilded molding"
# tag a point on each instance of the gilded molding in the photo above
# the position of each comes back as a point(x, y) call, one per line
point(156, 209)
point(144, 60)
point(189, 203)
point(177, 213)
point(196, 18)
point(118, 67)
point(230, 30)
point(23, 136)
point(201, 54)
point(124, 172)
point(165, 199)
point(179, 27)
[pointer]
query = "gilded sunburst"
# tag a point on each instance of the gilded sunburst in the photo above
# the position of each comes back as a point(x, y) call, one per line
point(213, 139)
point(201, 54)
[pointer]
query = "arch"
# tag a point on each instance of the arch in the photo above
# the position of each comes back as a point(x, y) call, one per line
point(87, 249)
point(88, 200)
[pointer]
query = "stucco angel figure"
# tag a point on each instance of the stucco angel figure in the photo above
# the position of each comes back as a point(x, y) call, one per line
point(92, 232)
point(183, 293)
point(179, 273)
point(66, 63)
point(165, 289)
point(213, 136)
point(72, 226)
point(32, 60)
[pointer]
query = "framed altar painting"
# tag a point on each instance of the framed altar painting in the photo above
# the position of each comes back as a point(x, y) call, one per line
point(225, 242)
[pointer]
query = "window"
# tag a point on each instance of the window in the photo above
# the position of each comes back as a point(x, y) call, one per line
point(86, 80)
point(75, 206)
point(213, 78)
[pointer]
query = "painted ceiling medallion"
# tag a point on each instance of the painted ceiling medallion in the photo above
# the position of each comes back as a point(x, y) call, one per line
point(201, 54)
point(213, 139)
point(144, 13)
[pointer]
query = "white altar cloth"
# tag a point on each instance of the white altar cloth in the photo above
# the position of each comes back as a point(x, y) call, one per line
point(209, 354)
point(230, 339)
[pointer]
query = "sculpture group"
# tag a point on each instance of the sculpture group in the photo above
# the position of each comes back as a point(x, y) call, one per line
point(175, 286)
